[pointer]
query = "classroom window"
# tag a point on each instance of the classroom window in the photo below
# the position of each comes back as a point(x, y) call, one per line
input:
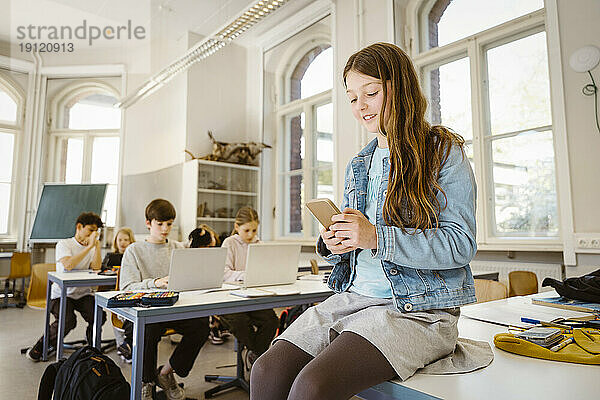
point(308, 140)
point(444, 22)
point(8, 108)
point(95, 111)
point(10, 128)
point(87, 143)
point(508, 132)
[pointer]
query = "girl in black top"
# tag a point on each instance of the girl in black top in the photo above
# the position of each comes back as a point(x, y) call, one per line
point(123, 238)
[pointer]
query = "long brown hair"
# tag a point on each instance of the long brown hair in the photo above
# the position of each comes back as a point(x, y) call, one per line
point(417, 149)
point(244, 215)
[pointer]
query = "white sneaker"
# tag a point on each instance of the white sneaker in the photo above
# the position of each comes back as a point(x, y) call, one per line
point(147, 391)
point(172, 390)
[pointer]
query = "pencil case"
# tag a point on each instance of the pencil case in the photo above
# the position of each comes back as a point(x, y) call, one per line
point(156, 299)
point(143, 299)
point(585, 349)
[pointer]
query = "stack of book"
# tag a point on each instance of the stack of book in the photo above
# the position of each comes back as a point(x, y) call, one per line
point(541, 335)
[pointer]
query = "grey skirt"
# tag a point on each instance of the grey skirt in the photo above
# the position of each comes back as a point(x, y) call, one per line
point(409, 341)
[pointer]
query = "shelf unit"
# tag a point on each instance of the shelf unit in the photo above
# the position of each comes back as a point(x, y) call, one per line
point(213, 191)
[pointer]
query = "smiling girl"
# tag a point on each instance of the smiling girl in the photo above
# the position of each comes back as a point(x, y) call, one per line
point(400, 249)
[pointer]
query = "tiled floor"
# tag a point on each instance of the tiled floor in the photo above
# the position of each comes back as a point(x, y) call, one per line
point(19, 377)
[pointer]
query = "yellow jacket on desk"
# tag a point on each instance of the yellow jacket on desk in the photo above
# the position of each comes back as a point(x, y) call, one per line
point(585, 349)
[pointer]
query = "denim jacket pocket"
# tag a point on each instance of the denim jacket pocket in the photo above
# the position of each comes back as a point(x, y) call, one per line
point(350, 194)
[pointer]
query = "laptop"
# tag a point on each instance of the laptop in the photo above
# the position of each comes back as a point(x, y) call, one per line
point(271, 264)
point(197, 269)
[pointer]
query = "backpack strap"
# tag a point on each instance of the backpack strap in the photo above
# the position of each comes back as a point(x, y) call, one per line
point(46, 387)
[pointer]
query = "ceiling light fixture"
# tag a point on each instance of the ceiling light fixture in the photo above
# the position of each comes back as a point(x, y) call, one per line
point(204, 48)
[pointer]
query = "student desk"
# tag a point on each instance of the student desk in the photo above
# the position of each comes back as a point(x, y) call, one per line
point(195, 304)
point(509, 376)
point(66, 280)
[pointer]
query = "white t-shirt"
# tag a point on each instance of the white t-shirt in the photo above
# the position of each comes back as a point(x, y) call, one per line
point(68, 248)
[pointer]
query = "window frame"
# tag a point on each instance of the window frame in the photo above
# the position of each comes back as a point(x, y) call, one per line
point(57, 133)
point(10, 87)
point(474, 47)
point(307, 106)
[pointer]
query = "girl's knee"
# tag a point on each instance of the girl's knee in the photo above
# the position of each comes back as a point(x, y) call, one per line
point(260, 369)
point(310, 384)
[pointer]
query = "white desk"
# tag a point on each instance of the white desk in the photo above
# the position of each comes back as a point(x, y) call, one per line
point(195, 305)
point(509, 376)
point(65, 280)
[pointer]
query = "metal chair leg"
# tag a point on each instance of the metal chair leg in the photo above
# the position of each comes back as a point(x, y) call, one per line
point(237, 381)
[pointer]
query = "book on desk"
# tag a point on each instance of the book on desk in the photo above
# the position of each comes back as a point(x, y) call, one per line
point(567, 304)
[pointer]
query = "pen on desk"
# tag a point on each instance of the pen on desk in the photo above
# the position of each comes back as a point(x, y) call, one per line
point(562, 344)
point(544, 323)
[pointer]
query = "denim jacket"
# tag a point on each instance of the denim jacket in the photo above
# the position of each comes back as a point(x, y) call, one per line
point(426, 270)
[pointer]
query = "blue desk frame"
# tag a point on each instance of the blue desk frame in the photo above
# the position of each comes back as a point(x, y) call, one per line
point(63, 281)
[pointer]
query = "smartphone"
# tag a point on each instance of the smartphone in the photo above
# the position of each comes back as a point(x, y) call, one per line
point(323, 210)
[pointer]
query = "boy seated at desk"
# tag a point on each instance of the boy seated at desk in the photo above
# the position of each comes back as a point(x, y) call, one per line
point(145, 266)
point(80, 252)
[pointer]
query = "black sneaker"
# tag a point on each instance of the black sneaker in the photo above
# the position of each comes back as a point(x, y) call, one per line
point(124, 350)
point(215, 336)
point(33, 354)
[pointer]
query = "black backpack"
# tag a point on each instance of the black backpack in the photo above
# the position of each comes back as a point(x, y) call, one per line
point(86, 375)
point(584, 288)
point(289, 315)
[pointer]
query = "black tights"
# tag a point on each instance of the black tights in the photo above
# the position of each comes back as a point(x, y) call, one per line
point(349, 365)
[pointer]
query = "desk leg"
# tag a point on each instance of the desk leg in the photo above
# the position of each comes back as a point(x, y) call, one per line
point(47, 325)
point(61, 323)
point(98, 326)
point(139, 327)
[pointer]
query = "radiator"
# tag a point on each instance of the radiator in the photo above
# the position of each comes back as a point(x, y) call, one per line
point(542, 270)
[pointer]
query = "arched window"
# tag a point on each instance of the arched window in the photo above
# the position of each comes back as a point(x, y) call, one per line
point(446, 21)
point(307, 139)
point(85, 139)
point(11, 106)
point(313, 74)
point(93, 111)
point(508, 131)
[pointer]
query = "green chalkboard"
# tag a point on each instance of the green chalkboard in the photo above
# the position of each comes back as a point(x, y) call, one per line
point(59, 207)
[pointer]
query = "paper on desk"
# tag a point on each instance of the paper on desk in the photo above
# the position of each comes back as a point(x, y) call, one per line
point(310, 277)
point(508, 312)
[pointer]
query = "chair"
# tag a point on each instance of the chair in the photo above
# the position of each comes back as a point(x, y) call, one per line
point(36, 298)
point(20, 267)
point(36, 294)
point(487, 290)
point(522, 283)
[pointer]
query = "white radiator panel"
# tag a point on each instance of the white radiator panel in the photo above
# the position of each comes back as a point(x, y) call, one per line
point(504, 267)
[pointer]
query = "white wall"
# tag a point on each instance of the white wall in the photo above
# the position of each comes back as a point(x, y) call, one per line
point(216, 99)
point(579, 25)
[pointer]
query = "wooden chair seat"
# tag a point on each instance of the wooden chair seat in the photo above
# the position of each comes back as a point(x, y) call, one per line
point(20, 268)
point(522, 283)
point(488, 290)
point(36, 294)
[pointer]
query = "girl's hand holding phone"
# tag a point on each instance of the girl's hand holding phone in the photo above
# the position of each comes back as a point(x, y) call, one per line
point(351, 230)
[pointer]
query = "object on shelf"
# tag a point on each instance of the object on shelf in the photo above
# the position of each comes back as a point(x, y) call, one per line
point(203, 179)
point(201, 209)
point(237, 153)
point(216, 185)
point(224, 212)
